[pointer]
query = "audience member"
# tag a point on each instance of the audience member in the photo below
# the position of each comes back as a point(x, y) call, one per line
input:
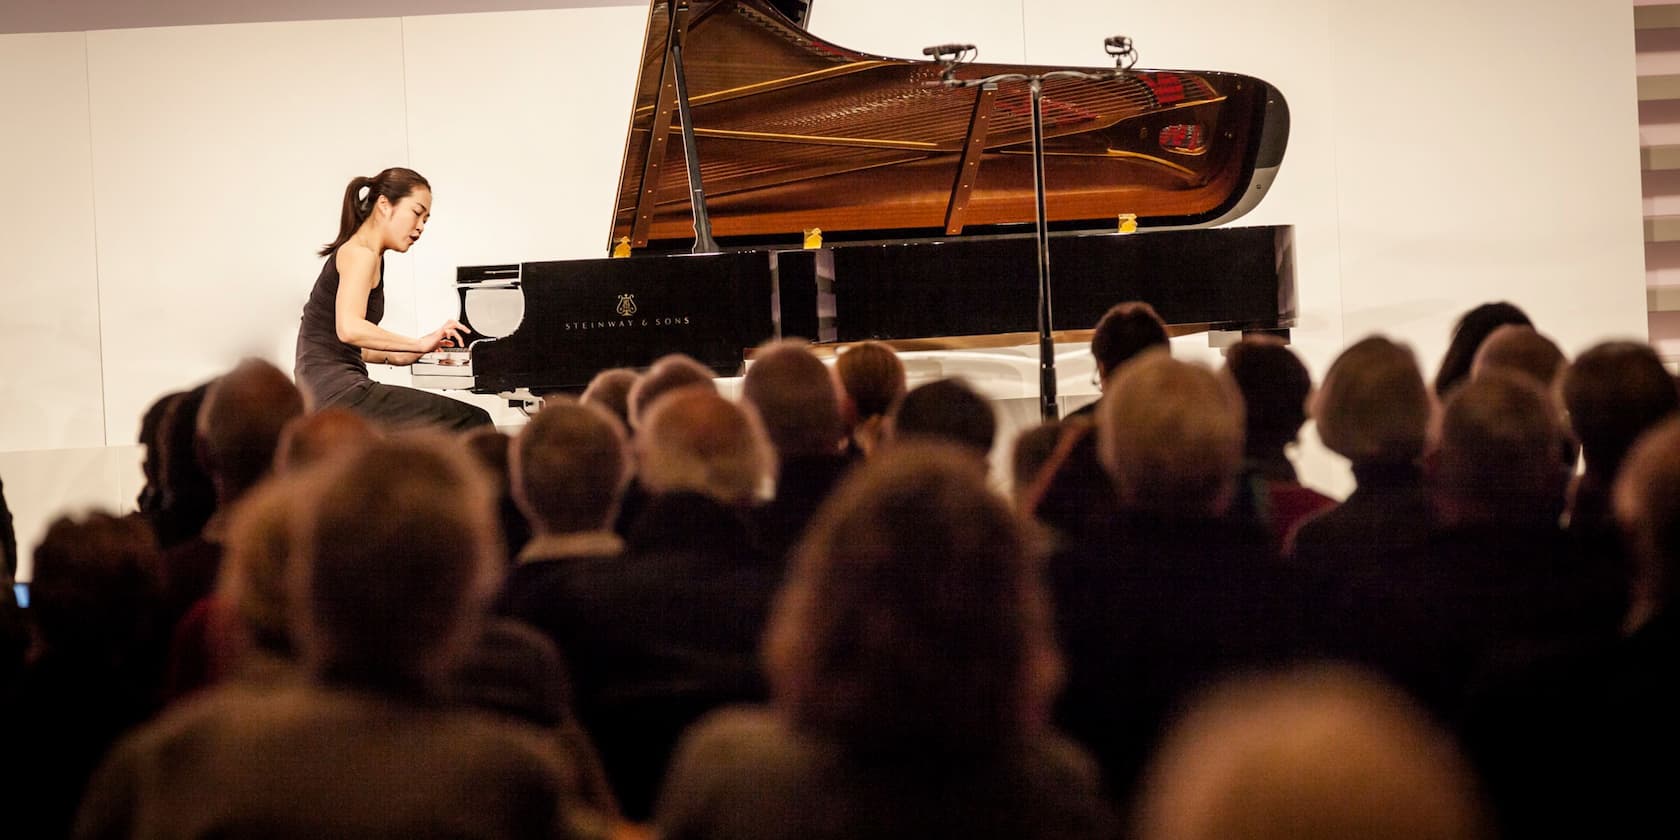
point(1612, 393)
point(388, 586)
point(1275, 386)
point(913, 666)
point(186, 497)
point(1075, 498)
point(1323, 754)
point(672, 631)
point(947, 410)
point(1375, 411)
point(1522, 349)
point(1579, 744)
point(794, 394)
point(667, 374)
point(1174, 592)
point(8, 540)
point(1497, 584)
point(872, 381)
point(1472, 329)
point(610, 389)
point(93, 670)
point(151, 465)
point(237, 432)
point(320, 436)
point(490, 446)
point(1124, 332)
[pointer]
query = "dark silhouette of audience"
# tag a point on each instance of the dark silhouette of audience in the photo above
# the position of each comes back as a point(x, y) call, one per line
point(370, 646)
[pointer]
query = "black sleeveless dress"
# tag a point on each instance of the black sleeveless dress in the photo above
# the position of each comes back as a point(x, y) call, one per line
point(334, 373)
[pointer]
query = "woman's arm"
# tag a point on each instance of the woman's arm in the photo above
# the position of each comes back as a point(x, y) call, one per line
point(357, 269)
point(389, 357)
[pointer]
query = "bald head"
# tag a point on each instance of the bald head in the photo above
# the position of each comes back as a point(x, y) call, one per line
point(795, 397)
point(240, 422)
point(1498, 454)
point(667, 374)
point(1522, 349)
point(1170, 434)
point(1325, 754)
point(695, 440)
point(325, 434)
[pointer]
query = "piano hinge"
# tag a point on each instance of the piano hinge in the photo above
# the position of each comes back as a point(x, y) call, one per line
point(968, 170)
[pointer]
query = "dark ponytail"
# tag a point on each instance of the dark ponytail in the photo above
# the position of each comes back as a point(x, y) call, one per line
point(395, 184)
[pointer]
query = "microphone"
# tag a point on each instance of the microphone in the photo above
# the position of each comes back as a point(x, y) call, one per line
point(947, 49)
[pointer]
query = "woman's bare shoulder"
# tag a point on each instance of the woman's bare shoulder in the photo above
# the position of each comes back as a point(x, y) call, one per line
point(357, 263)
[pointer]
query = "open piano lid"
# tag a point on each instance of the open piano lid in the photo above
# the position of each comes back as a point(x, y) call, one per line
point(795, 133)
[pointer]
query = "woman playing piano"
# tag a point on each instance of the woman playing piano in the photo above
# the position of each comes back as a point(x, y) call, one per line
point(340, 334)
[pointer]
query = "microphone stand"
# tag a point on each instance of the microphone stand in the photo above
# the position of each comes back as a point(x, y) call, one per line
point(703, 241)
point(952, 56)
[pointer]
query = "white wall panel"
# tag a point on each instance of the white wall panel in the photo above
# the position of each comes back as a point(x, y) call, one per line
point(1475, 162)
point(44, 484)
point(51, 385)
point(220, 156)
point(519, 121)
point(899, 29)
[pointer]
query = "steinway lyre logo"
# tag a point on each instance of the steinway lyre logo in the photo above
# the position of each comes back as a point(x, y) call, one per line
point(626, 305)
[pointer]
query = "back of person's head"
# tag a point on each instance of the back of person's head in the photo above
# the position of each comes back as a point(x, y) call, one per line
point(570, 466)
point(1274, 385)
point(95, 584)
point(240, 422)
point(946, 410)
point(872, 377)
point(1323, 754)
point(1647, 503)
point(667, 374)
point(795, 397)
point(255, 566)
point(1613, 392)
point(491, 447)
point(693, 439)
point(1373, 407)
point(1522, 349)
point(1472, 329)
point(188, 494)
point(914, 618)
point(1124, 331)
point(1497, 453)
point(1170, 434)
point(1034, 448)
point(151, 426)
point(395, 559)
point(321, 436)
point(610, 389)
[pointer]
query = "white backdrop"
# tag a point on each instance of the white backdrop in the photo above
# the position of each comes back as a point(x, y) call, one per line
point(172, 183)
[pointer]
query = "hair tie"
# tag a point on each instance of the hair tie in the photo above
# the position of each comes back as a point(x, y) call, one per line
point(363, 197)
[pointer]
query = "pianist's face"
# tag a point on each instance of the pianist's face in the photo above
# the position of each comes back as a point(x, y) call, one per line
point(402, 228)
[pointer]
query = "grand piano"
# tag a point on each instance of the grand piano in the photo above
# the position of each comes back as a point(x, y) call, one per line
point(923, 195)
